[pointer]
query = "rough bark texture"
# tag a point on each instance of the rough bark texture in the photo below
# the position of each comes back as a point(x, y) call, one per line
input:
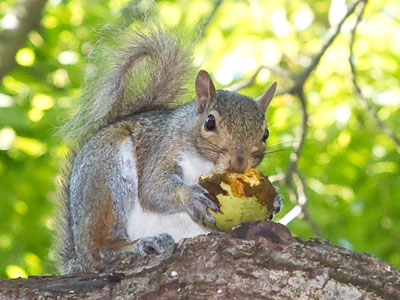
point(256, 261)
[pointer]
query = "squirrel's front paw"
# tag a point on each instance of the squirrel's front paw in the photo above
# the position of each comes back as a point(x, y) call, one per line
point(200, 200)
point(277, 203)
point(162, 244)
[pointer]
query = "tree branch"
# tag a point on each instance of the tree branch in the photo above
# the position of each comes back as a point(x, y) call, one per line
point(364, 101)
point(300, 198)
point(303, 200)
point(294, 157)
point(27, 15)
point(301, 78)
point(259, 260)
point(250, 81)
point(207, 20)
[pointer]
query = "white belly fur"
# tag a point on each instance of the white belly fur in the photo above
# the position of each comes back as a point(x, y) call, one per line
point(179, 225)
point(144, 224)
point(193, 166)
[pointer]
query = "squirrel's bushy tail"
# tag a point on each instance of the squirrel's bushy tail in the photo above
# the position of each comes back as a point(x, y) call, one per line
point(130, 72)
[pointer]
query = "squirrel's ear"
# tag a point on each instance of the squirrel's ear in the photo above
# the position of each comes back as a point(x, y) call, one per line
point(205, 91)
point(266, 98)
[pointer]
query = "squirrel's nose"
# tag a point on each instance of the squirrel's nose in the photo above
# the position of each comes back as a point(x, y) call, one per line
point(238, 164)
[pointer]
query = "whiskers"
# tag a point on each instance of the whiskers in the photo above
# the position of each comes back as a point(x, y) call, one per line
point(269, 152)
point(273, 150)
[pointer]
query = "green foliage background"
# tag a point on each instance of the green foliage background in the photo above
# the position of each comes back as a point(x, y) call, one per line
point(351, 168)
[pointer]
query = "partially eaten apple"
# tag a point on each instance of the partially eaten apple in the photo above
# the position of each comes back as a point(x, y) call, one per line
point(241, 197)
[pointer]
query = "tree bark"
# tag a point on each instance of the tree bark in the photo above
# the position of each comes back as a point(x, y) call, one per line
point(28, 15)
point(259, 260)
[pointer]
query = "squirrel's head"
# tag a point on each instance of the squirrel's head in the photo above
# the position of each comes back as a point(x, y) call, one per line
point(233, 131)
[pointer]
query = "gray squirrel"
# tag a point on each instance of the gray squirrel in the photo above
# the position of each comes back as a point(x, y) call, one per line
point(132, 182)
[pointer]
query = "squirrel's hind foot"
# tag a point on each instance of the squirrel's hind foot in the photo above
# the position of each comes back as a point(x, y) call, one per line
point(162, 244)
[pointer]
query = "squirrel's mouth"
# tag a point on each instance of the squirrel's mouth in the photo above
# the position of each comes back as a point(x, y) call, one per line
point(227, 163)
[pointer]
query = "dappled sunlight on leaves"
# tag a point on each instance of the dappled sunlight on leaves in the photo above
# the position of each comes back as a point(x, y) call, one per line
point(14, 271)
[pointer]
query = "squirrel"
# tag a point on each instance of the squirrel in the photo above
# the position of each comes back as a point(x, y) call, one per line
point(132, 181)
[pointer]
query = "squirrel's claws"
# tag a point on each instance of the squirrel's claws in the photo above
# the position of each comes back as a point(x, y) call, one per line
point(214, 206)
point(277, 204)
point(199, 204)
point(199, 212)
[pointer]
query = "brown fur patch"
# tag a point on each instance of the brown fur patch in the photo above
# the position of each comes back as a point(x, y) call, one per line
point(104, 221)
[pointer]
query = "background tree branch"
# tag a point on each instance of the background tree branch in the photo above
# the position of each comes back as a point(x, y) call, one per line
point(26, 16)
point(297, 89)
point(256, 261)
point(207, 19)
point(364, 101)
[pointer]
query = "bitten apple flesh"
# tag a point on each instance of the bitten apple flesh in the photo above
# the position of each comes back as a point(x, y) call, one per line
point(241, 197)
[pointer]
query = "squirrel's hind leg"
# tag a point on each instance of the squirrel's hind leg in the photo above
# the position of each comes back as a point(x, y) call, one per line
point(103, 190)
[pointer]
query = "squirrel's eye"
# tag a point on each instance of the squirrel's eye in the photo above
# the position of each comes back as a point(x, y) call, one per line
point(209, 123)
point(266, 135)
